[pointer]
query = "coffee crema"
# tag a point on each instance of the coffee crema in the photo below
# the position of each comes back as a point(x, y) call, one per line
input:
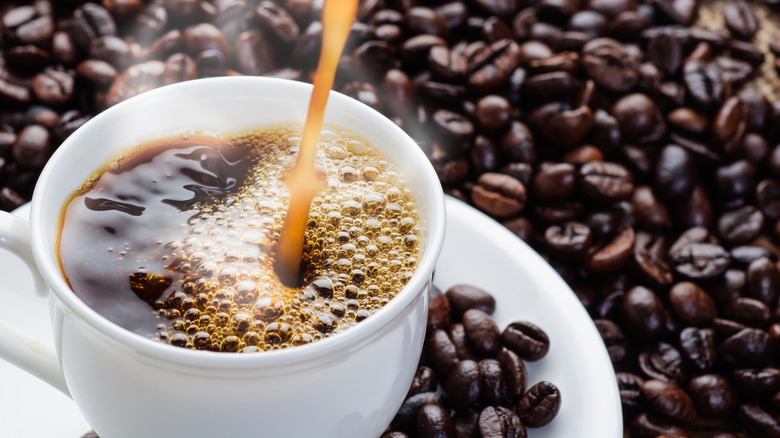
point(176, 239)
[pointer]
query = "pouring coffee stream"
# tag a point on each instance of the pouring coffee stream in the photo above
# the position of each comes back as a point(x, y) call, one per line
point(302, 181)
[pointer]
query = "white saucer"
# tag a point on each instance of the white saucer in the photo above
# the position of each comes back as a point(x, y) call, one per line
point(477, 251)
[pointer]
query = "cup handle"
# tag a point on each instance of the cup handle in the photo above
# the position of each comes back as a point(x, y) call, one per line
point(16, 346)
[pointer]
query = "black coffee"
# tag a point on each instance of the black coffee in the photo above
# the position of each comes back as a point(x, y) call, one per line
point(176, 240)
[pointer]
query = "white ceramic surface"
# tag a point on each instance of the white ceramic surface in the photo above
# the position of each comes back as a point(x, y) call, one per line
point(476, 251)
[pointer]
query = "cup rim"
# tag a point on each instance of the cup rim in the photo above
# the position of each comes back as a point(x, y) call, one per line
point(48, 263)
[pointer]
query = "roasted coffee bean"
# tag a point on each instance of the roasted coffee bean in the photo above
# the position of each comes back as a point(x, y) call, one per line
point(526, 339)
point(426, 21)
point(740, 226)
point(454, 126)
point(32, 147)
point(277, 22)
point(425, 380)
point(675, 172)
point(613, 339)
point(255, 53)
point(651, 212)
point(637, 116)
point(642, 314)
point(492, 384)
point(457, 335)
point(481, 332)
point(26, 25)
point(517, 144)
point(570, 239)
point(500, 422)
point(514, 373)
point(647, 425)
point(498, 195)
point(179, 67)
point(747, 311)
point(463, 297)
point(748, 347)
point(758, 421)
point(463, 385)
point(491, 69)
point(763, 281)
point(697, 347)
point(135, 80)
point(740, 19)
point(756, 383)
point(613, 254)
point(698, 261)
point(663, 362)
point(610, 65)
point(493, 113)
point(442, 355)
point(669, 400)
point(691, 304)
point(433, 421)
point(539, 405)
point(743, 256)
point(713, 395)
point(89, 22)
point(630, 395)
point(704, 83)
point(405, 419)
point(53, 87)
point(438, 311)
point(96, 72)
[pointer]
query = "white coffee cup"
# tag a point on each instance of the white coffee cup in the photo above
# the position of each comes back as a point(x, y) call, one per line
point(347, 385)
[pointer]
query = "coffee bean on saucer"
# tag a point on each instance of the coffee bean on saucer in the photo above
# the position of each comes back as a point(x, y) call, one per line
point(539, 405)
point(526, 339)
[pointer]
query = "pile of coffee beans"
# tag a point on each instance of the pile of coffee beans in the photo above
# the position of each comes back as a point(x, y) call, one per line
point(472, 381)
point(622, 141)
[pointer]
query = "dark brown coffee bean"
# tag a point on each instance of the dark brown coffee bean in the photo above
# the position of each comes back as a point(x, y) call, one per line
point(713, 395)
point(277, 22)
point(758, 421)
point(89, 22)
point(492, 68)
point(453, 125)
point(515, 374)
point(669, 400)
point(689, 120)
point(517, 144)
point(740, 19)
point(698, 261)
point(482, 333)
point(424, 381)
point(697, 347)
point(747, 311)
point(613, 254)
point(767, 196)
point(433, 421)
point(135, 80)
point(96, 72)
point(756, 383)
point(663, 362)
point(205, 36)
point(463, 385)
point(630, 396)
point(763, 281)
point(675, 172)
point(425, 20)
point(438, 311)
point(492, 384)
point(26, 25)
point(570, 239)
point(642, 313)
point(691, 304)
point(650, 211)
point(610, 65)
point(736, 180)
point(526, 339)
point(748, 347)
point(637, 116)
point(500, 422)
point(613, 339)
point(457, 334)
point(254, 53)
point(414, 51)
point(441, 353)
point(53, 87)
point(447, 65)
point(498, 195)
point(179, 67)
point(493, 113)
point(704, 83)
point(406, 418)
point(463, 297)
point(696, 210)
point(647, 425)
point(32, 147)
point(740, 226)
point(539, 405)
point(606, 181)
